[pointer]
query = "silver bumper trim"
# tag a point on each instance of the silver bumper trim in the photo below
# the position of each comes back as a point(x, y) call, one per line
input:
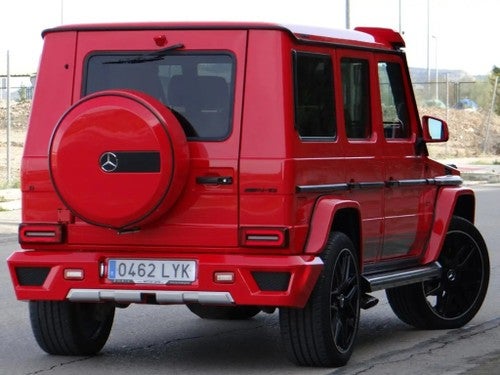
point(138, 296)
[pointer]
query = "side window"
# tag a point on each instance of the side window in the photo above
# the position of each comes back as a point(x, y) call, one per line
point(356, 94)
point(314, 103)
point(394, 109)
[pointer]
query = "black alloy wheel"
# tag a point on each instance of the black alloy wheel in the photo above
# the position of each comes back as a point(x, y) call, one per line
point(324, 331)
point(454, 299)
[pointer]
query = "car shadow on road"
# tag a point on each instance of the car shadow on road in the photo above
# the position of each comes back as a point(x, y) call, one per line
point(194, 345)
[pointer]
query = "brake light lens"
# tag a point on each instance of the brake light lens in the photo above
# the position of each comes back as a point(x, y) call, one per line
point(40, 233)
point(264, 237)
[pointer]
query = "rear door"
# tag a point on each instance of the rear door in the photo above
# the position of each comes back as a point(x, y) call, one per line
point(198, 76)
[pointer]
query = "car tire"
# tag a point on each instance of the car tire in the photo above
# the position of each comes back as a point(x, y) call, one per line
point(223, 312)
point(324, 331)
point(454, 299)
point(69, 328)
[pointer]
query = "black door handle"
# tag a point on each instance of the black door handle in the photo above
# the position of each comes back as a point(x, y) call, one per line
point(214, 180)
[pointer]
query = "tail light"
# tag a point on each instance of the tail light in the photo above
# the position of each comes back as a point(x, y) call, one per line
point(264, 237)
point(41, 233)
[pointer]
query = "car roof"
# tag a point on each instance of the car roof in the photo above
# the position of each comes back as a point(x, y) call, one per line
point(371, 37)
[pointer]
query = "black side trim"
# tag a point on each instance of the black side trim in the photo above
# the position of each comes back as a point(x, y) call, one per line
point(366, 185)
point(326, 188)
point(416, 182)
point(329, 188)
point(448, 180)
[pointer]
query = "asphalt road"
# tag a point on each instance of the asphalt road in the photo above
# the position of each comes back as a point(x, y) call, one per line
point(170, 340)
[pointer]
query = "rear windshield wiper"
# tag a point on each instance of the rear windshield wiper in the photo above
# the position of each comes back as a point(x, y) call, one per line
point(150, 56)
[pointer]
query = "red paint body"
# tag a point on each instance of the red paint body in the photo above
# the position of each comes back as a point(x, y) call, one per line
point(260, 198)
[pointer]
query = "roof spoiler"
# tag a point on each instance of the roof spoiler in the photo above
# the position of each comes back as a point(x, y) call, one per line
point(388, 37)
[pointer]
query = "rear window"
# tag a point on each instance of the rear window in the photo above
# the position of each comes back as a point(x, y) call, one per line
point(197, 88)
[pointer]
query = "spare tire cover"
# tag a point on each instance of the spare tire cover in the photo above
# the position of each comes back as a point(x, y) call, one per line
point(118, 159)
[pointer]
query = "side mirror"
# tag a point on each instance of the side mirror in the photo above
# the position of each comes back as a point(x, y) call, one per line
point(435, 130)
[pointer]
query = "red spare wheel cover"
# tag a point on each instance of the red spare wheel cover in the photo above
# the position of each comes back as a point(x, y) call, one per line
point(118, 159)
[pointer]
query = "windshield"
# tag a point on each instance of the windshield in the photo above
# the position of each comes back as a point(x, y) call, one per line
point(197, 87)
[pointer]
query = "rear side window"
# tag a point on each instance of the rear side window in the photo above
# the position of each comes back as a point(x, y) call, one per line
point(198, 88)
point(314, 100)
point(356, 95)
point(393, 101)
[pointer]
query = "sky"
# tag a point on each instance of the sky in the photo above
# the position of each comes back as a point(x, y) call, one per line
point(451, 34)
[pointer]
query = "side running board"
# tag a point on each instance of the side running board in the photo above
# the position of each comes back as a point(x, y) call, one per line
point(397, 278)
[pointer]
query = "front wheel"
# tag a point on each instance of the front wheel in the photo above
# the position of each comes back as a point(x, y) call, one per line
point(323, 332)
point(454, 299)
point(70, 328)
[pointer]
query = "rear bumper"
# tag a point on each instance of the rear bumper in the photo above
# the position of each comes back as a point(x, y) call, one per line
point(258, 279)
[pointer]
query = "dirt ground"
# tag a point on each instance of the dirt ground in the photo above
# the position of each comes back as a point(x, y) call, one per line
point(468, 132)
point(472, 134)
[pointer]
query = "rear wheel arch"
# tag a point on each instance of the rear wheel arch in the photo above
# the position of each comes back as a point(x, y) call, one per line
point(331, 215)
point(348, 221)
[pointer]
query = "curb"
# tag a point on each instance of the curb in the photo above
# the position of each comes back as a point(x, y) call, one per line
point(488, 173)
point(487, 178)
point(10, 205)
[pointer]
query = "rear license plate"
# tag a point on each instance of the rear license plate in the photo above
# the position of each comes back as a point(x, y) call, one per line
point(145, 271)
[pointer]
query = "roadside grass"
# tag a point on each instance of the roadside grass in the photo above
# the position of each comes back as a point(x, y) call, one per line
point(16, 184)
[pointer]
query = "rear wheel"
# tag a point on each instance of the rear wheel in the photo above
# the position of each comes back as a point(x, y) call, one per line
point(70, 328)
point(223, 312)
point(454, 299)
point(323, 332)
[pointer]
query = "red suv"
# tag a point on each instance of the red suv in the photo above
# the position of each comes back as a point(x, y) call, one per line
point(238, 168)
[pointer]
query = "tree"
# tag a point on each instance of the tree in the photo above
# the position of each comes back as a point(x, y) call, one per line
point(23, 93)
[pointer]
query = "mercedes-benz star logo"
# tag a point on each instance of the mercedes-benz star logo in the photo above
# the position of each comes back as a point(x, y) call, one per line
point(108, 162)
